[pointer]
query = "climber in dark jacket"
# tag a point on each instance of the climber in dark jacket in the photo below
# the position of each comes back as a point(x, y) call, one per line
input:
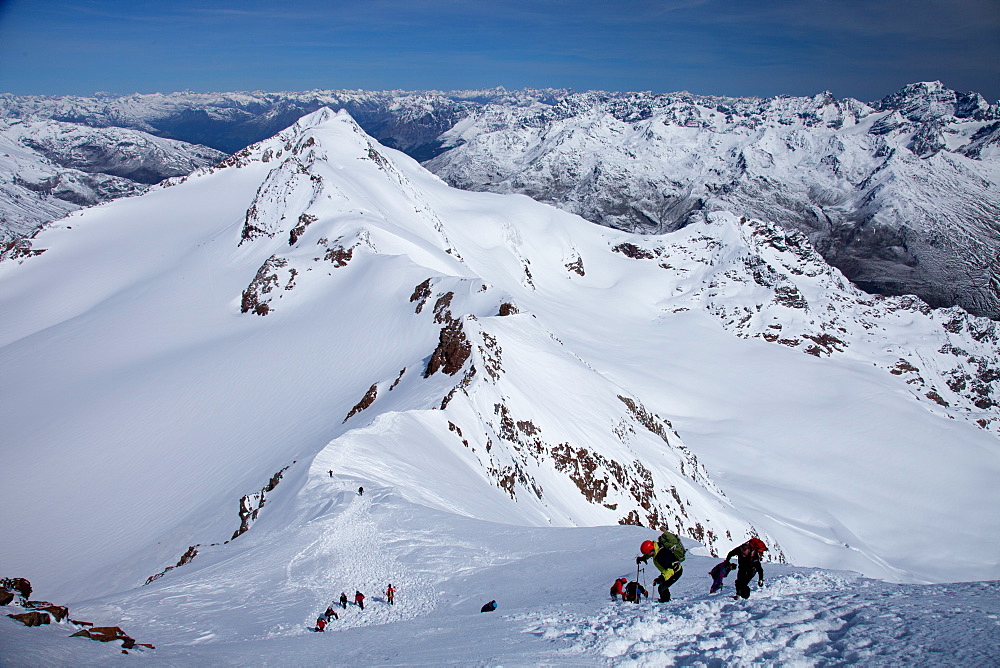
point(634, 592)
point(748, 563)
point(489, 607)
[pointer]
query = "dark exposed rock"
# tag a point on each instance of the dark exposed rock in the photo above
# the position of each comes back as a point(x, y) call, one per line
point(59, 612)
point(190, 554)
point(365, 402)
point(110, 634)
point(251, 504)
point(33, 618)
point(6, 597)
point(452, 351)
point(576, 266)
point(339, 256)
point(35, 605)
point(631, 250)
point(421, 294)
point(263, 283)
point(21, 585)
point(305, 220)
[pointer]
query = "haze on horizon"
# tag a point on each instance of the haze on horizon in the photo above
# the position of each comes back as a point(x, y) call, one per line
point(853, 48)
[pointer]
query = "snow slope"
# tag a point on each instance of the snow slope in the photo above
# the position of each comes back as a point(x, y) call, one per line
point(252, 602)
point(318, 302)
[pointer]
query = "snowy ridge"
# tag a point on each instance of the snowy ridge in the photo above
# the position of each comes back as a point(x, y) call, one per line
point(498, 375)
point(535, 460)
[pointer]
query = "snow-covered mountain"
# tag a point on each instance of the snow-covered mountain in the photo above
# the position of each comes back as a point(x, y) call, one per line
point(903, 195)
point(199, 377)
point(900, 194)
point(49, 168)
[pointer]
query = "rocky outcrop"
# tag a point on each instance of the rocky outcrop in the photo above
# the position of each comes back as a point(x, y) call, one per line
point(110, 634)
point(33, 618)
point(21, 585)
point(251, 504)
point(186, 558)
point(365, 402)
point(452, 351)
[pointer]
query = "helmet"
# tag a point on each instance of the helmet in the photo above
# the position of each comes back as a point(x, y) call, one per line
point(647, 547)
point(757, 544)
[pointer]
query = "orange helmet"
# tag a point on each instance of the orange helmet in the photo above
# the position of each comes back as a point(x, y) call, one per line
point(647, 547)
point(757, 544)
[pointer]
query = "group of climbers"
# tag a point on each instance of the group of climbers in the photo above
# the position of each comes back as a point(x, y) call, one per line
point(359, 600)
point(667, 553)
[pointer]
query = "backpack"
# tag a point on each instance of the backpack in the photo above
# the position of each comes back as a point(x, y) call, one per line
point(668, 541)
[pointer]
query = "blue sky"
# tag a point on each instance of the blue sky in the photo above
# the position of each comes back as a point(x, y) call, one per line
point(854, 48)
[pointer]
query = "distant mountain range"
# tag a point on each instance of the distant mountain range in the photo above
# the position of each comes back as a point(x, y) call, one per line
point(901, 194)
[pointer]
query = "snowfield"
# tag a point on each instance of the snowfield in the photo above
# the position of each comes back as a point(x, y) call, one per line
point(213, 368)
point(253, 604)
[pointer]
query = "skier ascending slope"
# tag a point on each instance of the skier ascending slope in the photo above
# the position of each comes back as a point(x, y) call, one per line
point(667, 554)
point(748, 562)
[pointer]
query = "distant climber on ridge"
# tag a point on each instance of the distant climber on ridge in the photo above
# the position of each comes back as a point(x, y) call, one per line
point(359, 599)
point(667, 554)
point(390, 594)
point(748, 562)
point(361, 491)
point(343, 600)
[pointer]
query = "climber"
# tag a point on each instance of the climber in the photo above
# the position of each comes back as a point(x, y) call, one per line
point(489, 607)
point(359, 599)
point(719, 573)
point(617, 589)
point(667, 554)
point(748, 562)
point(330, 612)
point(361, 491)
point(633, 590)
point(320, 624)
point(343, 600)
point(390, 594)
